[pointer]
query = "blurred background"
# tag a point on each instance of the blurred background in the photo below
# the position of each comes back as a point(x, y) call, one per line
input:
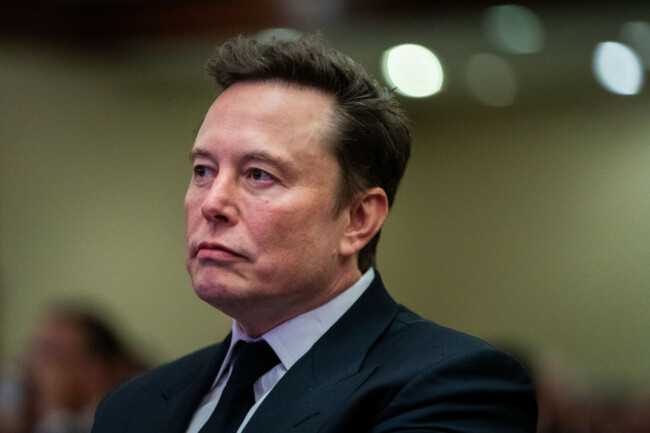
point(523, 218)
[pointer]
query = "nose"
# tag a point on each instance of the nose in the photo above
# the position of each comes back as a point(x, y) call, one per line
point(220, 201)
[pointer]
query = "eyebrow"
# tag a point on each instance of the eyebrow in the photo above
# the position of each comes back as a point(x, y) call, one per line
point(198, 153)
point(259, 155)
point(262, 156)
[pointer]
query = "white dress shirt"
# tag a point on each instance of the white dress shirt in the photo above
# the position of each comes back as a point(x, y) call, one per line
point(290, 341)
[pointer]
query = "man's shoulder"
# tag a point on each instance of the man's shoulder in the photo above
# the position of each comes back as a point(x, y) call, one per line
point(408, 332)
point(168, 373)
point(421, 362)
point(428, 341)
point(407, 321)
point(141, 396)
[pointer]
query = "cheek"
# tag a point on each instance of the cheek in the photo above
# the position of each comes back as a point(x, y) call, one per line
point(191, 203)
point(192, 212)
point(268, 225)
point(290, 232)
point(277, 230)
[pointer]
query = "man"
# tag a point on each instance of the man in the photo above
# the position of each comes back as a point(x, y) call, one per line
point(295, 167)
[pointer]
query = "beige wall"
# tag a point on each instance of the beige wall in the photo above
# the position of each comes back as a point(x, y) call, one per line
point(528, 225)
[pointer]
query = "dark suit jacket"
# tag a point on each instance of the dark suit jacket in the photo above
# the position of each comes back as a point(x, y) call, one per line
point(380, 368)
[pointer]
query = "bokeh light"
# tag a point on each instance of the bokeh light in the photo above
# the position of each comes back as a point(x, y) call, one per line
point(514, 29)
point(636, 34)
point(618, 68)
point(491, 80)
point(413, 70)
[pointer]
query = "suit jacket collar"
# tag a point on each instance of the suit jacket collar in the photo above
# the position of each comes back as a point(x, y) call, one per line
point(302, 394)
point(184, 395)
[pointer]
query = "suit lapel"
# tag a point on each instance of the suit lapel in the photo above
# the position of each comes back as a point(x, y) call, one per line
point(331, 370)
point(182, 397)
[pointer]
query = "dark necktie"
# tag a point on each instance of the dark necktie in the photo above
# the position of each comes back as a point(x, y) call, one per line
point(252, 361)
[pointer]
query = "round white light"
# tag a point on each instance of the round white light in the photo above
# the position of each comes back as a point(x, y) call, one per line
point(413, 70)
point(618, 68)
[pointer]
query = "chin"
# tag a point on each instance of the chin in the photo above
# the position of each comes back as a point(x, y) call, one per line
point(222, 297)
point(210, 292)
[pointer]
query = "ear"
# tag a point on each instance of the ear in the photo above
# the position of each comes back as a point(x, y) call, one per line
point(366, 216)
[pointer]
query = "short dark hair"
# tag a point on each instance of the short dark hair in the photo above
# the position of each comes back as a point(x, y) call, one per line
point(370, 137)
point(101, 339)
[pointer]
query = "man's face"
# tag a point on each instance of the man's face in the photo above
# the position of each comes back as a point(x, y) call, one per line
point(263, 241)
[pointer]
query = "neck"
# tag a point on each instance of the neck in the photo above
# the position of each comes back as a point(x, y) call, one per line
point(260, 321)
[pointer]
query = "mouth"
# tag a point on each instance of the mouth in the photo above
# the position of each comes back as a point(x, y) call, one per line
point(216, 251)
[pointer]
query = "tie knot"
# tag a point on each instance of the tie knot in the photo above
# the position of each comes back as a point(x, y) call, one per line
point(252, 361)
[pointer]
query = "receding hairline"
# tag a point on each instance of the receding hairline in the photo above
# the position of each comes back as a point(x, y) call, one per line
point(282, 82)
point(334, 106)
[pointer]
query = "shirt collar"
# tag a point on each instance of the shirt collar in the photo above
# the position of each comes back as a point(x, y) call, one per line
point(293, 338)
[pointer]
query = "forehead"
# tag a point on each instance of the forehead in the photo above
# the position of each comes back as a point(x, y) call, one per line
point(55, 331)
point(272, 107)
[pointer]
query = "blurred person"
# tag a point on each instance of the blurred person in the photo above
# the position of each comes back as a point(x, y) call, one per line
point(294, 169)
point(635, 413)
point(563, 395)
point(569, 401)
point(74, 359)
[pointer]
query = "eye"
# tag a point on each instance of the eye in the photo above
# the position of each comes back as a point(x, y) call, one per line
point(259, 174)
point(203, 174)
point(200, 170)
